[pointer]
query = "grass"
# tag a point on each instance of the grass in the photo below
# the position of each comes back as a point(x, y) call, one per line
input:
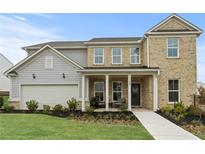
point(44, 127)
point(201, 136)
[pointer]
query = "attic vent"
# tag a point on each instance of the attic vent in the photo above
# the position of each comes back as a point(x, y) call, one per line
point(49, 62)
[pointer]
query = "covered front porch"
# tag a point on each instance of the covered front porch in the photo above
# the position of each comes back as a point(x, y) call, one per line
point(114, 88)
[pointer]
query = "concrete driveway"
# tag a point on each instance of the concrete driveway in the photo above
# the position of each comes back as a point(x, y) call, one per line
point(161, 128)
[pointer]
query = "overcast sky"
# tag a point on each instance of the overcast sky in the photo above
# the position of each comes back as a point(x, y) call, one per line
point(18, 30)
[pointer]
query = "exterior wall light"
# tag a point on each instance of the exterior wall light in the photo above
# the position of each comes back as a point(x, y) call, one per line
point(64, 75)
point(34, 76)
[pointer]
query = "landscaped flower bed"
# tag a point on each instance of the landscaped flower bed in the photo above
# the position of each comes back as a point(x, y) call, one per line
point(191, 119)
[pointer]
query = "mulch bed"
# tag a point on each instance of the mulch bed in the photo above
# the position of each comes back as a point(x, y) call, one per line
point(118, 117)
point(187, 120)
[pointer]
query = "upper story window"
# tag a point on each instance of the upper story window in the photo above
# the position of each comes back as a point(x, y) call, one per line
point(173, 47)
point(49, 62)
point(98, 56)
point(173, 91)
point(116, 56)
point(134, 56)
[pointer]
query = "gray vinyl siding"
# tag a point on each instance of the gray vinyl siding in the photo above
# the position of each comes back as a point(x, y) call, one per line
point(44, 76)
point(77, 55)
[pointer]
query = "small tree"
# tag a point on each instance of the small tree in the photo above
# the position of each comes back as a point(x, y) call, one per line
point(72, 104)
point(201, 95)
point(32, 105)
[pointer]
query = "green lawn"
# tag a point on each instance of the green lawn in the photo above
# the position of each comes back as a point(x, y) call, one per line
point(34, 126)
point(201, 136)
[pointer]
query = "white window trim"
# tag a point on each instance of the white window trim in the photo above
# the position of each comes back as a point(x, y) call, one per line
point(172, 47)
point(95, 56)
point(179, 99)
point(136, 56)
point(120, 56)
point(46, 64)
point(100, 91)
point(117, 91)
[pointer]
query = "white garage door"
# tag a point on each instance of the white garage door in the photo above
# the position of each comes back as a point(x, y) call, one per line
point(48, 94)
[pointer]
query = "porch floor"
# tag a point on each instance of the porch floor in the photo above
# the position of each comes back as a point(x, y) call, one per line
point(103, 110)
point(136, 109)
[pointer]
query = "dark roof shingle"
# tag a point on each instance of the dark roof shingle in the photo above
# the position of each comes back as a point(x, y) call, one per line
point(58, 44)
point(115, 39)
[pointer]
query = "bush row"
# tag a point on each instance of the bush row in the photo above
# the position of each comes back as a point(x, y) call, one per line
point(178, 111)
point(33, 105)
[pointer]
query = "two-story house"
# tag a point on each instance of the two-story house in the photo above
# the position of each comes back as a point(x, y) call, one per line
point(151, 71)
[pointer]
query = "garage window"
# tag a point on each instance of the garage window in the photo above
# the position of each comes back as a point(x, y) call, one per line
point(49, 62)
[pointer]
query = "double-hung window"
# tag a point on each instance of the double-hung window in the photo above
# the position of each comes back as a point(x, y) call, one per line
point(99, 90)
point(116, 90)
point(116, 55)
point(173, 91)
point(98, 56)
point(134, 56)
point(173, 47)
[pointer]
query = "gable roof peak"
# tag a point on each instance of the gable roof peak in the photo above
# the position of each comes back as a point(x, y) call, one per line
point(196, 29)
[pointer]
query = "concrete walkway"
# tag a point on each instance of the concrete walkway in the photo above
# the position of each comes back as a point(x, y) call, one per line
point(161, 128)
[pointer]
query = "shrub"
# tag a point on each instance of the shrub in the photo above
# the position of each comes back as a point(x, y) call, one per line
point(65, 109)
point(195, 111)
point(179, 111)
point(72, 104)
point(90, 109)
point(11, 108)
point(58, 108)
point(46, 108)
point(94, 102)
point(1, 102)
point(167, 110)
point(122, 107)
point(32, 105)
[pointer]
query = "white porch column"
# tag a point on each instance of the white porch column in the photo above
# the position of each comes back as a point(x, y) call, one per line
point(83, 93)
point(87, 88)
point(107, 92)
point(129, 93)
point(155, 92)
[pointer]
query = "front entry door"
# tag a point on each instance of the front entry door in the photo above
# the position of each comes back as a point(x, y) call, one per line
point(135, 94)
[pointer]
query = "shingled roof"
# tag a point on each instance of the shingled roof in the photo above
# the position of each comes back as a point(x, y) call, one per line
point(115, 39)
point(81, 44)
point(58, 44)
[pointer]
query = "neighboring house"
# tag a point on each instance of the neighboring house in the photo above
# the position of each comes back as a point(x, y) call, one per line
point(5, 64)
point(150, 71)
point(200, 84)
